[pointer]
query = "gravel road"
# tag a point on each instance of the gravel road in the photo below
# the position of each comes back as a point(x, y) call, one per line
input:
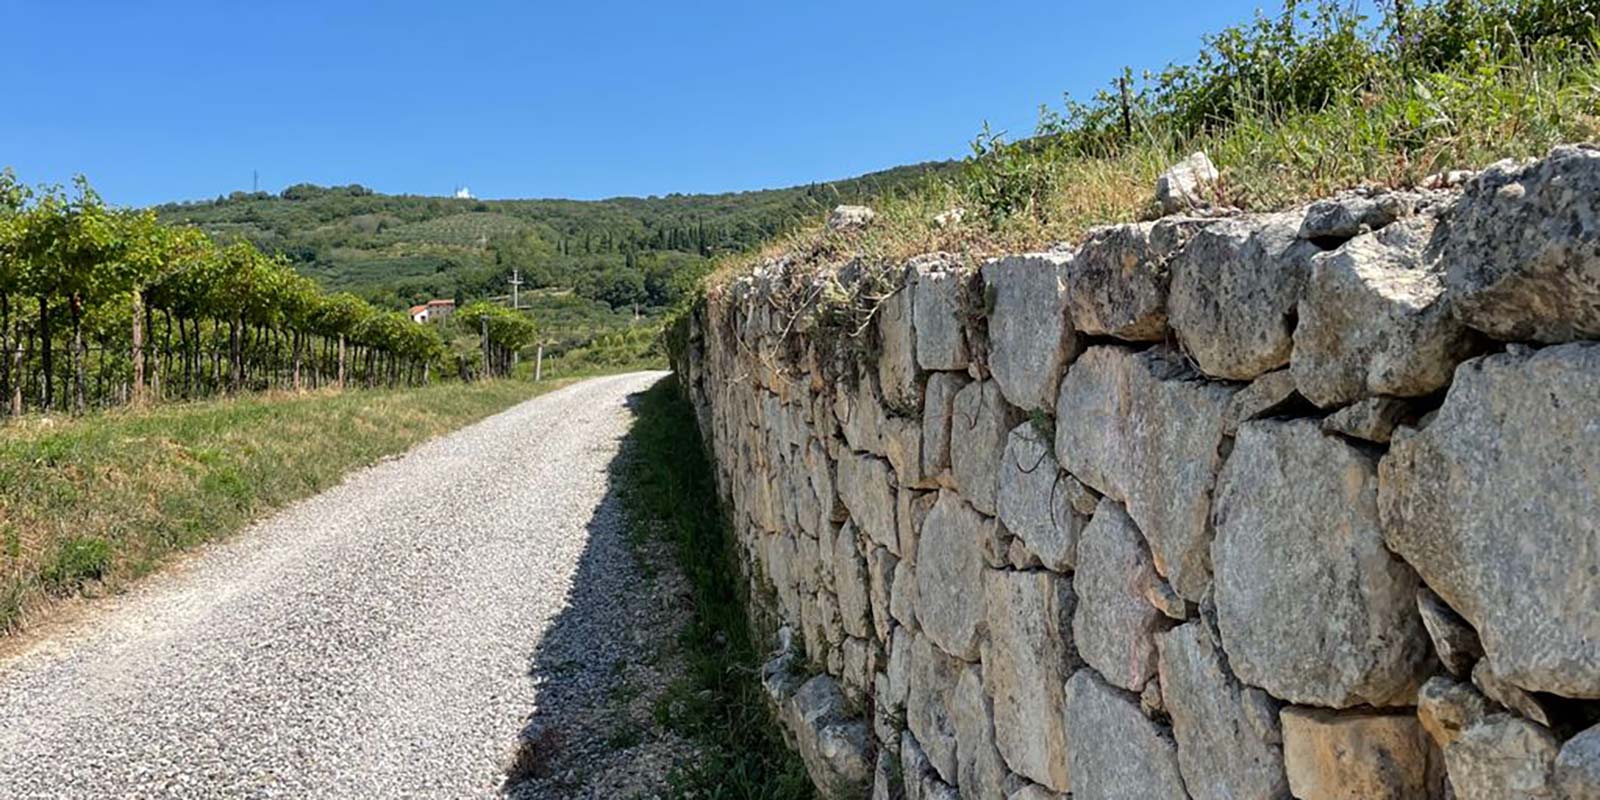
point(378, 640)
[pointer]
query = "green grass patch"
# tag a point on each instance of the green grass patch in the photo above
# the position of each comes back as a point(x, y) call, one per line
point(669, 490)
point(90, 503)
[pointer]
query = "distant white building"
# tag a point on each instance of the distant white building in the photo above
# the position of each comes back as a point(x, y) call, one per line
point(463, 193)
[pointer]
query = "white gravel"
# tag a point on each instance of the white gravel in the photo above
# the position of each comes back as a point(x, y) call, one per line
point(374, 641)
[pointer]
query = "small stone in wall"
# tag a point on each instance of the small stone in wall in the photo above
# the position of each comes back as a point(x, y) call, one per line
point(1513, 449)
point(898, 374)
point(1115, 751)
point(881, 566)
point(980, 772)
point(1028, 660)
point(1187, 185)
point(1030, 338)
point(1373, 419)
point(850, 584)
point(1359, 755)
point(868, 492)
point(938, 315)
point(1521, 249)
point(980, 421)
point(1235, 289)
point(1577, 769)
point(1502, 756)
point(1508, 695)
point(1356, 212)
point(1445, 708)
point(1035, 499)
point(1113, 625)
point(1454, 640)
point(930, 704)
point(1264, 396)
point(836, 749)
point(938, 409)
point(1297, 534)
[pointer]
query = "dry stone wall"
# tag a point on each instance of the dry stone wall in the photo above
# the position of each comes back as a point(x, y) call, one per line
point(1236, 507)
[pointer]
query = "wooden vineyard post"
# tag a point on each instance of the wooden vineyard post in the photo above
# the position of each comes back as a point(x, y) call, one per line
point(538, 364)
point(138, 348)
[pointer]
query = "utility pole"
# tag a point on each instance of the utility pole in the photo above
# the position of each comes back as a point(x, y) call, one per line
point(516, 282)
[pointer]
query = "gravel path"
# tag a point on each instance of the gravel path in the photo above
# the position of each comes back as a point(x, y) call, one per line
point(382, 639)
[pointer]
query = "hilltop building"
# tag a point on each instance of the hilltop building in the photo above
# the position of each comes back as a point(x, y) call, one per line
point(433, 311)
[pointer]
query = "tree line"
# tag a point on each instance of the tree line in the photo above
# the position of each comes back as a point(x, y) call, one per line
point(101, 307)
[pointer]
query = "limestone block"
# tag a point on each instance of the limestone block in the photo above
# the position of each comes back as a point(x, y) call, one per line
point(938, 314)
point(950, 569)
point(850, 584)
point(1187, 185)
point(1373, 419)
point(1113, 625)
point(858, 406)
point(1522, 248)
point(1509, 695)
point(1445, 708)
point(1030, 338)
point(980, 421)
point(1134, 425)
point(1118, 279)
point(1359, 755)
point(903, 596)
point(1229, 745)
point(1514, 448)
point(836, 749)
point(1262, 397)
point(1454, 641)
point(938, 408)
point(868, 492)
point(881, 566)
point(898, 374)
point(981, 775)
point(902, 444)
point(1354, 213)
point(1375, 320)
point(930, 705)
point(1577, 769)
point(911, 508)
point(1235, 289)
point(1500, 757)
point(1026, 664)
point(1311, 606)
point(1116, 753)
point(1036, 501)
point(850, 218)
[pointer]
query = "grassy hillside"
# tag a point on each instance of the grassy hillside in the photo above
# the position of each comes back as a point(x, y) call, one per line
point(624, 252)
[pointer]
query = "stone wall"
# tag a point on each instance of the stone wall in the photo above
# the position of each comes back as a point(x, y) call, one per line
point(1219, 507)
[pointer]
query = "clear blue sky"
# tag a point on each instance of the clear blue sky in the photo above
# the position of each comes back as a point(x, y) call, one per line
point(159, 101)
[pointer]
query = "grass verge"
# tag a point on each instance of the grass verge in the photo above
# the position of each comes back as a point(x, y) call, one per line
point(90, 503)
point(669, 490)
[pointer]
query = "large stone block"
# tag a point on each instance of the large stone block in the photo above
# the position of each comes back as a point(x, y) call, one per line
point(938, 313)
point(1359, 755)
point(1026, 664)
point(1118, 280)
point(950, 577)
point(1311, 606)
point(1113, 625)
point(1136, 426)
point(1036, 501)
point(868, 492)
point(1030, 338)
point(1515, 448)
point(1229, 745)
point(835, 748)
point(981, 774)
point(1235, 289)
point(1522, 248)
point(930, 705)
point(1375, 320)
point(1577, 768)
point(858, 407)
point(898, 374)
point(938, 409)
point(979, 423)
point(850, 584)
point(1116, 753)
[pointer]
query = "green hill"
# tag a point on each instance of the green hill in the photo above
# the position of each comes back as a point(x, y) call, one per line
point(618, 254)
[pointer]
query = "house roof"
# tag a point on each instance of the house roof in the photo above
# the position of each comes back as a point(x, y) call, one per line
point(432, 303)
point(415, 310)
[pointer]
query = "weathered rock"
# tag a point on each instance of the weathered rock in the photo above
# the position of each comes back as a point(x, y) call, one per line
point(850, 218)
point(1500, 757)
point(950, 578)
point(902, 445)
point(1514, 448)
point(981, 773)
point(1372, 419)
point(1354, 213)
point(868, 492)
point(1508, 695)
point(1359, 755)
point(1135, 426)
point(1035, 792)
point(1522, 248)
point(1235, 290)
point(898, 374)
point(1454, 641)
point(1577, 768)
point(881, 567)
point(1035, 499)
point(1113, 625)
point(1265, 395)
point(1117, 282)
point(1026, 665)
point(980, 421)
point(911, 508)
point(835, 748)
point(938, 408)
point(859, 410)
point(858, 662)
point(1188, 184)
point(903, 595)
point(1311, 606)
point(1229, 746)
point(938, 314)
point(1151, 703)
point(850, 584)
point(1375, 320)
point(930, 705)
point(1030, 338)
point(886, 781)
point(1445, 708)
point(1117, 753)
point(915, 767)
point(1164, 599)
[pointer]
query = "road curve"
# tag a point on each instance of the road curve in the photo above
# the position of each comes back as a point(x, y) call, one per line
point(372, 641)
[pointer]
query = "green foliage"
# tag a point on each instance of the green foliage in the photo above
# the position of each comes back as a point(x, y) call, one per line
point(79, 559)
